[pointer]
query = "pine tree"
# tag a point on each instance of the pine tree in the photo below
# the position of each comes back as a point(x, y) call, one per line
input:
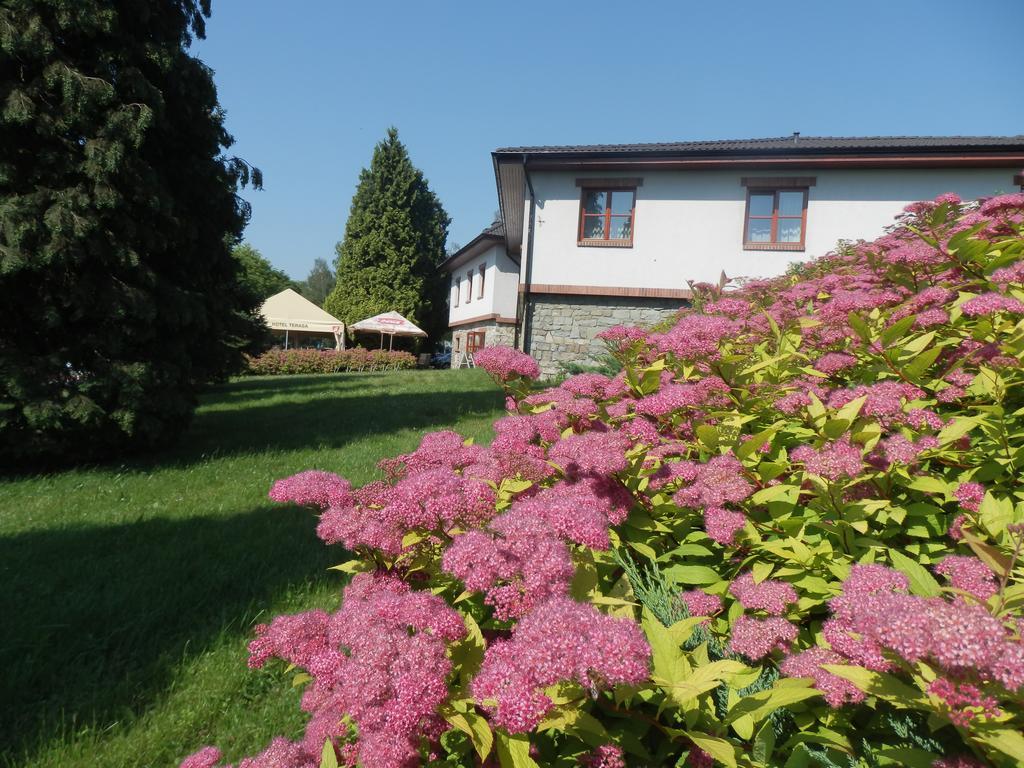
point(118, 211)
point(394, 241)
point(319, 283)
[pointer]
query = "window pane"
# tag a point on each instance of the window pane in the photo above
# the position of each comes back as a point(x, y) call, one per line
point(761, 204)
point(622, 201)
point(791, 203)
point(593, 227)
point(594, 202)
point(789, 230)
point(622, 227)
point(759, 231)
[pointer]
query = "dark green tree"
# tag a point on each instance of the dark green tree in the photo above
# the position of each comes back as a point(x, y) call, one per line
point(258, 275)
point(118, 211)
point(394, 240)
point(320, 282)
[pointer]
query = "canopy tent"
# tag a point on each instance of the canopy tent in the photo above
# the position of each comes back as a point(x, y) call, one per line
point(291, 312)
point(390, 323)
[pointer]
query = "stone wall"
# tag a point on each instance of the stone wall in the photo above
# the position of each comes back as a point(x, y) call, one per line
point(563, 329)
point(495, 334)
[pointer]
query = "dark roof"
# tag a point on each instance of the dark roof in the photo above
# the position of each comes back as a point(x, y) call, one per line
point(783, 144)
point(495, 233)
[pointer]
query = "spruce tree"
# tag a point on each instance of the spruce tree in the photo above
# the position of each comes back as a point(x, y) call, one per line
point(319, 283)
point(118, 211)
point(394, 242)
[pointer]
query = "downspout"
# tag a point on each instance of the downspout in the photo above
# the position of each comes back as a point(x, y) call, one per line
point(528, 257)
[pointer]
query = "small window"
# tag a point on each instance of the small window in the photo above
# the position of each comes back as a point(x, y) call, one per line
point(458, 343)
point(776, 220)
point(456, 290)
point(474, 341)
point(606, 217)
point(469, 286)
point(483, 271)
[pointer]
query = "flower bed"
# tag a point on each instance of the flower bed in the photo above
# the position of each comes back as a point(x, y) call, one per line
point(789, 533)
point(279, 362)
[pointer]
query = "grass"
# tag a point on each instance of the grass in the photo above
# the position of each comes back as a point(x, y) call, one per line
point(130, 592)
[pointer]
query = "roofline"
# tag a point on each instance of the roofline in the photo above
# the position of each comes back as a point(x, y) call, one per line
point(463, 254)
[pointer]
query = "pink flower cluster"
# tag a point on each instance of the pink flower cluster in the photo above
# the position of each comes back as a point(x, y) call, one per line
point(313, 488)
point(506, 363)
point(969, 574)
point(594, 452)
point(770, 596)
point(430, 500)
point(380, 660)
point(605, 756)
point(722, 525)
point(964, 701)
point(700, 603)
point(836, 690)
point(559, 640)
point(833, 461)
point(990, 303)
point(673, 397)
point(874, 614)
point(580, 511)
point(519, 563)
point(756, 638)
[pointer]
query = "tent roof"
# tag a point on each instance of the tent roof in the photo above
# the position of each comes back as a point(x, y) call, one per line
point(290, 311)
point(388, 322)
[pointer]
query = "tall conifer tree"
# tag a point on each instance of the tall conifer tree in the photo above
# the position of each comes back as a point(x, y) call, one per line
point(394, 241)
point(118, 211)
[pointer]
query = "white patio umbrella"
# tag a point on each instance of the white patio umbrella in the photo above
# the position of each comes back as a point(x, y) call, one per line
point(391, 323)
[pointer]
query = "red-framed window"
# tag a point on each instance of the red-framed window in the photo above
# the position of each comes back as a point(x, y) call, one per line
point(480, 290)
point(469, 286)
point(457, 291)
point(474, 341)
point(607, 216)
point(775, 220)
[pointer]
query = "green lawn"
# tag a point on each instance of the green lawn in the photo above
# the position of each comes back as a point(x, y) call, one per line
point(129, 592)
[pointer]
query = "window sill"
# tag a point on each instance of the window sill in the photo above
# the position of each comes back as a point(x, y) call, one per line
point(773, 247)
point(604, 243)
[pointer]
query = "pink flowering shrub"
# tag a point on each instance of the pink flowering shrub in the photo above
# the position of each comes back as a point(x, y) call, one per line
point(789, 533)
point(278, 362)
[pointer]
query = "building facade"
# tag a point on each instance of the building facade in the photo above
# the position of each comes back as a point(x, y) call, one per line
point(613, 234)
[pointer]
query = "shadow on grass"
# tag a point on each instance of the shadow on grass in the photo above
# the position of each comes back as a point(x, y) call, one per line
point(97, 619)
point(323, 422)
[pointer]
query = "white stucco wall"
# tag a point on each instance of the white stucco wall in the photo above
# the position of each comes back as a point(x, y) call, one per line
point(689, 224)
point(501, 286)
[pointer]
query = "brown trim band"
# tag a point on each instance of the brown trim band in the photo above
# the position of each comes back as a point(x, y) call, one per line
point(616, 182)
point(773, 247)
point(597, 290)
point(605, 243)
point(779, 182)
point(483, 318)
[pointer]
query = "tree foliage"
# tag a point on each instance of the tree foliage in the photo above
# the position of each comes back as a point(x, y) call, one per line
point(394, 240)
point(319, 282)
point(118, 210)
point(258, 275)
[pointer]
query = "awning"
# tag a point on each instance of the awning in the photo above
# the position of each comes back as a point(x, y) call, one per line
point(390, 323)
point(290, 311)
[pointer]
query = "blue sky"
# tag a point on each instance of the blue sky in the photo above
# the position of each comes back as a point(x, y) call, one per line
point(310, 86)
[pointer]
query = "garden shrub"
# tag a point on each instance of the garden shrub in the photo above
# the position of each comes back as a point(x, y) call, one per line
point(787, 534)
point(279, 362)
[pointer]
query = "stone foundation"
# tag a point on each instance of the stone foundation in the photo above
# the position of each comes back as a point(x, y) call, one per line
point(495, 334)
point(563, 329)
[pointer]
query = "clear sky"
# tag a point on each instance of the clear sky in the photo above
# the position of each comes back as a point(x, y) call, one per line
point(310, 86)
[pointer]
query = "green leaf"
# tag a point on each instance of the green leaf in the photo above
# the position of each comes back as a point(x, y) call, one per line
point(692, 574)
point(328, 758)
point(879, 684)
point(956, 429)
point(1009, 741)
point(514, 751)
point(759, 705)
point(719, 749)
point(897, 329)
point(922, 583)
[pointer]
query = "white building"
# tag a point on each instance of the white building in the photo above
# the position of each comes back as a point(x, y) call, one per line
point(609, 234)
